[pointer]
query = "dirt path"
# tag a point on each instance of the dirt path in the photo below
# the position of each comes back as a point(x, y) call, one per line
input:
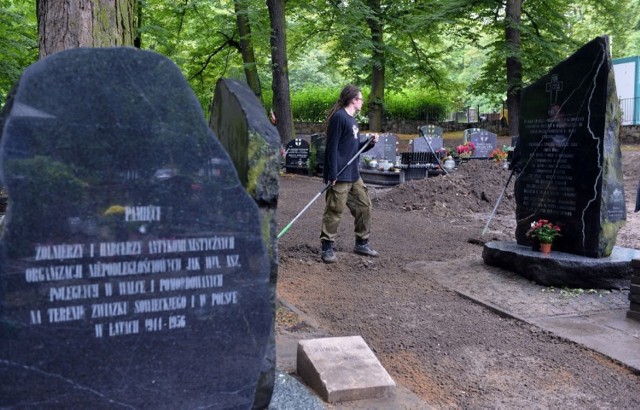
point(448, 350)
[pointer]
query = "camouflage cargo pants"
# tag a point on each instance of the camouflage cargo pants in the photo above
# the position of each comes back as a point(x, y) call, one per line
point(353, 195)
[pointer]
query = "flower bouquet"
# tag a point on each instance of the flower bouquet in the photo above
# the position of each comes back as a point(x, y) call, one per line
point(499, 155)
point(466, 150)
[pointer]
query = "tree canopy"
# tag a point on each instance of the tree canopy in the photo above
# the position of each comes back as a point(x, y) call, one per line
point(455, 50)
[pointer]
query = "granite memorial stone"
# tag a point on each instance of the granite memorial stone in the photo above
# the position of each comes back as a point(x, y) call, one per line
point(485, 142)
point(317, 148)
point(133, 268)
point(431, 130)
point(253, 143)
point(421, 144)
point(570, 154)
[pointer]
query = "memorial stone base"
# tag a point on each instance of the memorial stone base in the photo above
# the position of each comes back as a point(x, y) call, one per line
point(384, 178)
point(563, 269)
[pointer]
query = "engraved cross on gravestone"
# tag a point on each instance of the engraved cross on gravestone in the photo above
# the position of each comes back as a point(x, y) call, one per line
point(133, 270)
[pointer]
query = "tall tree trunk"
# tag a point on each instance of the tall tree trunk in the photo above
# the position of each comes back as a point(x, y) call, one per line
point(137, 40)
point(514, 66)
point(64, 24)
point(375, 102)
point(280, 84)
point(246, 47)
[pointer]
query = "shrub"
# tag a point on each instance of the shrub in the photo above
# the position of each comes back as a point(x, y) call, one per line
point(312, 104)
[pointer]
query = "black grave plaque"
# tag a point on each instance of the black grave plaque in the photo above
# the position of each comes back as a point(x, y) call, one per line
point(297, 154)
point(570, 154)
point(431, 130)
point(466, 133)
point(133, 269)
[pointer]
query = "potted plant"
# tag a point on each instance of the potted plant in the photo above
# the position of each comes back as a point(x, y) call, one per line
point(544, 232)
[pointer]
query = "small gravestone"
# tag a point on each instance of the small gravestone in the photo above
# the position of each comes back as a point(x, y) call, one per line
point(466, 133)
point(343, 369)
point(385, 148)
point(297, 158)
point(484, 141)
point(429, 135)
point(421, 145)
point(133, 269)
point(431, 131)
point(318, 147)
point(570, 154)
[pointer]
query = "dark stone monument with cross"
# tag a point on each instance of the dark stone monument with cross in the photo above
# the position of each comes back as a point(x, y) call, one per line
point(385, 148)
point(572, 176)
point(570, 154)
point(133, 267)
point(297, 158)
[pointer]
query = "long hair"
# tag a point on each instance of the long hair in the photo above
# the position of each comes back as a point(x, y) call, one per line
point(348, 93)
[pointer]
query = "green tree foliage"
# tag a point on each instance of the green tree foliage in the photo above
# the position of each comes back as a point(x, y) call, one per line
point(18, 41)
point(409, 53)
point(201, 37)
point(550, 30)
point(453, 51)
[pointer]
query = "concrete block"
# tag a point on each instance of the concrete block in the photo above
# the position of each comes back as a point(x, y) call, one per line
point(343, 369)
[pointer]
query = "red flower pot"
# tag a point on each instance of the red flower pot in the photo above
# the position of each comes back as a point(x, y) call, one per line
point(545, 247)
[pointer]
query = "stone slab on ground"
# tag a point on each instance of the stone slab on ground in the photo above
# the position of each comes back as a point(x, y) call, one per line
point(343, 369)
point(595, 318)
point(609, 333)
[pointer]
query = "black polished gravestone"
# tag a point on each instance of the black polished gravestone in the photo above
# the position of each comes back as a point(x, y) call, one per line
point(297, 158)
point(570, 154)
point(484, 141)
point(133, 269)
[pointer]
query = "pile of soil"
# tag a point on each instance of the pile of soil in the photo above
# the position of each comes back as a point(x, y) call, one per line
point(474, 186)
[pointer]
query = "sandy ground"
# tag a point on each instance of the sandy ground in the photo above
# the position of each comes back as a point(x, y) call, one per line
point(448, 350)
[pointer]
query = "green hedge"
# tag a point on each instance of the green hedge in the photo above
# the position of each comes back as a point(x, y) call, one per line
point(312, 104)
